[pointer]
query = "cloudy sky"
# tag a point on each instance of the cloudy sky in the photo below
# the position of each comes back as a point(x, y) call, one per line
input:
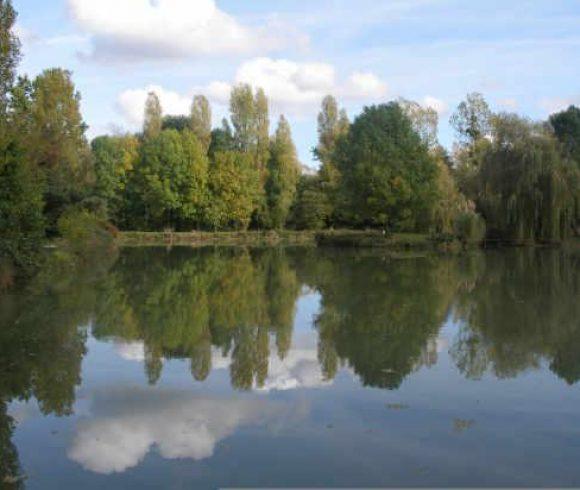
point(523, 55)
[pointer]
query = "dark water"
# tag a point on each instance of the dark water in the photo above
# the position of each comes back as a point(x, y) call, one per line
point(294, 368)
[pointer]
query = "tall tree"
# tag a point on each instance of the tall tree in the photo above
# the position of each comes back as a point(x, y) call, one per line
point(201, 120)
point(153, 122)
point(388, 176)
point(58, 144)
point(333, 124)
point(262, 130)
point(9, 53)
point(472, 119)
point(283, 175)
point(243, 115)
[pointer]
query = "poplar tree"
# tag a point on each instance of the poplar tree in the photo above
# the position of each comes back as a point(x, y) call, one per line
point(243, 115)
point(283, 175)
point(201, 120)
point(153, 122)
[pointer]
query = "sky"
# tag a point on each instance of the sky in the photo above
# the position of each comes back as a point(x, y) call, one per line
point(522, 55)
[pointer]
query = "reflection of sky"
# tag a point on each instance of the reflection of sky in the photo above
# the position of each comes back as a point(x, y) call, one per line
point(178, 424)
point(204, 435)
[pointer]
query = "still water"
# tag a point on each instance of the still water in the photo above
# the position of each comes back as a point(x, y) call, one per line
point(294, 368)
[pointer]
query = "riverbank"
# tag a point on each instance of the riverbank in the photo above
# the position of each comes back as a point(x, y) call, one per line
point(327, 238)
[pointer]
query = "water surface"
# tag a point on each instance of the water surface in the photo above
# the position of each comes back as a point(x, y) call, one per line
point(218, 368)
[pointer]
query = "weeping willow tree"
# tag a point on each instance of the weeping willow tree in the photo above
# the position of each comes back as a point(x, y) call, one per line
point(525, 189)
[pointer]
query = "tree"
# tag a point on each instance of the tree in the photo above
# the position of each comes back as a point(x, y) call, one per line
point(179, 123)
point(201, 120)
point(170, 179)
point(566, 126)
point(58, 144)
point(333, 124)
point(472, 119)
point(425, 121)
point(525, 189)
point(222, 139)
point(21, 204)
point(9, 54)
point(388, 176)
point(114, 158)
point(310, 209)
point(234, 187)
point(153, 121)
point(283, 174)
point(243, 115)
point(262, 131)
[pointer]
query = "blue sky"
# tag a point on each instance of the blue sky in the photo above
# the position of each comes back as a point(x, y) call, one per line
point(522, 55)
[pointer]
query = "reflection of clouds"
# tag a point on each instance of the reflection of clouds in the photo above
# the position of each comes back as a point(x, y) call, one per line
point(299, 369)
point(133, 351)
point(180, 425)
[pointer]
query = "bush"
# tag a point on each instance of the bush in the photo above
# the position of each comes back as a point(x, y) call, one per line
point(83, 233)
point(469, 227)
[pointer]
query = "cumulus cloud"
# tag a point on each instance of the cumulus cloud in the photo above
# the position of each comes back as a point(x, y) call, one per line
point(143, 29)
point(131, 103)
point(133, 351)
point(293, 88)
point(180, 425)
point(300, 369)
point(437, 105)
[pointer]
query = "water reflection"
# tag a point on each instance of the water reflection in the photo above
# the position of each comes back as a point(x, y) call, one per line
point(378, 318)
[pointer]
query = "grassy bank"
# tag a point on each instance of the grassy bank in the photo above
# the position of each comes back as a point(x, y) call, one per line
point(334, 238)
point(201, 239)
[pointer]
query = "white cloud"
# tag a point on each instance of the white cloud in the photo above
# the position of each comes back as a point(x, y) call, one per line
point(180, 425)
point(437, 105)
point(143, 29)
point(134, 351)
point(131, 103)
point(293, 88)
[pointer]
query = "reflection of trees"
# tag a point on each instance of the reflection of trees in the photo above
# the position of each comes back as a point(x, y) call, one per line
point(42, 346)
point(524, 308)
point(379, 314)
point(182, 303)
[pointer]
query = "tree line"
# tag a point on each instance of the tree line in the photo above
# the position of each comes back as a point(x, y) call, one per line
point(507, 177)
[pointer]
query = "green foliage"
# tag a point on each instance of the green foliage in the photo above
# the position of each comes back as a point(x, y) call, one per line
point(9, 54)
point(179, 123)
point(170, 180)
point(283, 174)
point(114, 158)
point(469, 227)
point(234, 189)
point(153, 122)
point(84, 234)
point(200, 121)
point(58, 144)
point(566, 126)
point(222, 139)
point(425, 121)
point(333, 124)
point(21, 205)
point(388, 176)
point(243, 115)
point(472, 119)
point(525, 190)
point(311, 209)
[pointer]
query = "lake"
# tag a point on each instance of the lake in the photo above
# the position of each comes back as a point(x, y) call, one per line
point(215, 368)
